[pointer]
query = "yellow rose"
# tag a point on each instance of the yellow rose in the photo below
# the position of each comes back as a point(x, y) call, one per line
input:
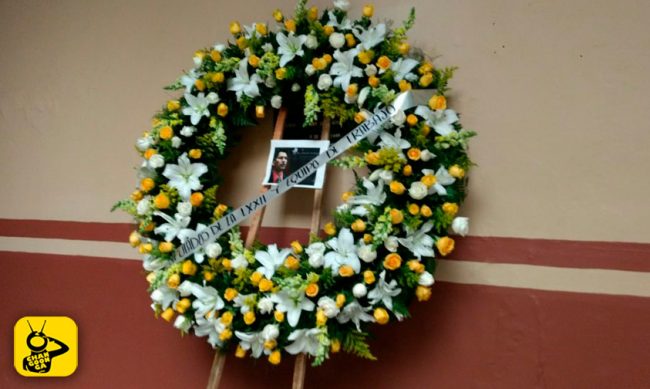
point(249, 317)
point(340, 300)
point(404, 85)
point(396, 216)
point(222, 109)
point(414, 209)
point(426, 80)
point(368, 277)
point(411, 120)
point(425, 211)
point(182, 305)
point(165, 247)
point(218, 77)
point(384, 62)
point(167, 314)
point(277, 15)
point(254, 60)
point(373, 81)
point(429, 180)
point(381, 316)
point(328, 58)
point(368, 10)
point(226, 263)
point(330, 229)
point(346, 271)
point(149, 153)
point(199, 84)
point(173, 105)
point(196, 199)
point(359, 117)
point(225, 334)
point(415, 266)
point(321, 319)
point(367, 238)
point(226, 318)
point(290, 25)
point(270, 344)
point(425, 68)
point(397, 187)
point(240, 352)
point(235, 28)
point(265, 285)
point(358, 226)
point(219, 210)
point(195, 153)
point(278, 316)
point(404, 48)
point(445, 245)
point(365, 57)
point(242, 43)
point(407, 170)
point(261, 28)
point(346, 196)
point(215, 55)
point(145, 248)
point(451, 209)
point(256, 277)
point(352, 90)
point(423, 293)
point(349, 40)
point(230, 294)
point(280, 73)
point(134, 239)
point(312, 290)
point(297, 247)
point(313, 13)
point(335, 346)
point(438, 102)
point(425, 130)
point(328, 30)
point(137, 195)
point(392, 261)
point(319, 63)
point(173, 281)
point(456, 171)
point(292, 263)
point(414, 153)
point(372, 158)
point(275, 358)
point(208, 276)
point(189, 268)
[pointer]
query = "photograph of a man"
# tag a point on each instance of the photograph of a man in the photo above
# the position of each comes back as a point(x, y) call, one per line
point(288, 156)
point(279, 169)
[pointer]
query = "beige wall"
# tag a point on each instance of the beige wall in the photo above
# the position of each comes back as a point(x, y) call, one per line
point(557, 91)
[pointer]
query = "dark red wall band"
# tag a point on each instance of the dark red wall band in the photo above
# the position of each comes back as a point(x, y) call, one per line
point(546, 252)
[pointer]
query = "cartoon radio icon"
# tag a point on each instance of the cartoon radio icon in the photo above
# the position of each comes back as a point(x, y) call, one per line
point(40, 359)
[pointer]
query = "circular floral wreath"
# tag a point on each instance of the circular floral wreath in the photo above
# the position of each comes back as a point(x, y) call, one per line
point(376, 255)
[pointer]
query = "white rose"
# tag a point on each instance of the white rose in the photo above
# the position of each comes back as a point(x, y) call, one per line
point(219, 47)
point(337, 40)
point(316, 251)
point(343, 5)
point(460, 225)
point(184, 208)
point(176, 142)
point(391, 243)
point(197, 60)
point(426, 279)
point(156, 161)
point(426, 155)
point(213, 250)
point(359, 290)
point(270, 81)
point(311, 42)
point(418, 190)
point(324, 82)
point(265, 305)
point(183, 323)
point(143, 144)
point(295, 87)
point(359, 210)
point(267, 47)
point(366, 253)
point(144, 205)
point(370, 70)
point(399, 118)
point(212, 97)
point(270, 332)
point(276, 101)
point(310, 69)
point(343, 207)
point(328, 305)
point(188, 130)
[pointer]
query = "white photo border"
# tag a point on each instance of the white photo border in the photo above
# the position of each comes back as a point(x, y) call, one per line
point(318, 146)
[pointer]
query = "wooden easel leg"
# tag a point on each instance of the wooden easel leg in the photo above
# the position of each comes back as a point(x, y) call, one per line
point(299, 370)
point(217, 370)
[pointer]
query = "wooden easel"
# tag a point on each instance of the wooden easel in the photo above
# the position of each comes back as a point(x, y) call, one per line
point(300, 365)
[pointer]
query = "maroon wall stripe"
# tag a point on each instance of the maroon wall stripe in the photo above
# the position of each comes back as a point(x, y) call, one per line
point(467, 336)
point(546, 252)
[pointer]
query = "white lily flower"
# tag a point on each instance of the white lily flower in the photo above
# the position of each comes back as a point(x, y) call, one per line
point(207, 301)
point(183, 323)
point(185, 176)
point(210, 326)
point(250, 31)
point(384, 291)
point(253, 341)
point(142, 144)
point(343, 5)
point(396, 142)
point(265, 305)
point(402, 67)
point(344, 68)
point(356, 313)
point(398, 119)
point(391, 244)
point(443, 178)
point(360, 210)
point(242, 83)
point(164, 296)
point(245, 302)
point(371, 37)
point(239, 262)
point(344, 252)
point(290, 46)
point(271, 259)
point(380, 174)
point(293, 302)
point(460, 225)
point(426, 155)
point(375, 194)
point(198, 107)
point(304, 341)
point(441, 121)
point(419, 242)
point(363, 95)
point(152, 263)
point(316, 254)
point(174, 228)
point(345, 24)
point(188, 80)
point(144, 205)
point(366, 252)
point(184, 208)
point(156, 161)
